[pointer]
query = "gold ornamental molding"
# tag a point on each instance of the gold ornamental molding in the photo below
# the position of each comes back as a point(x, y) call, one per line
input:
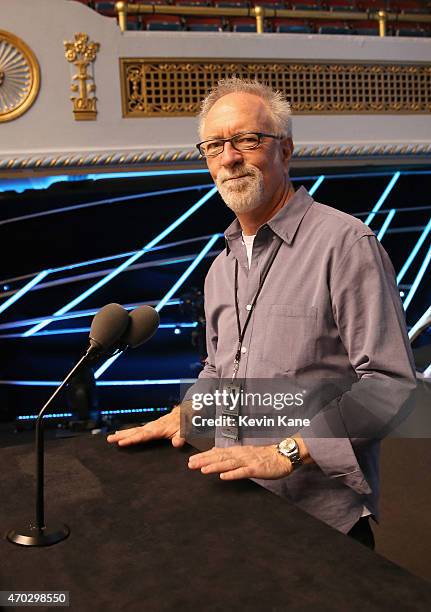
point(19, 77)
point(82, 53)
point(189, 157)
point(154, 87)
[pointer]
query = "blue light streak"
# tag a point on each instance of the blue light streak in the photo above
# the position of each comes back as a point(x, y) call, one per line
point(382, 198)
point(386, 224)
point(101, 383)
point(316, 185)
point(137, 383)
point(85, 330)
point(175, 325)
point(188, 271)
point(161, 247)
point(90, 275)
point(62, 415)
point(31, 383)
point(77, 315)
point(44, 182)
point(107, 364)
point(103, 281)
point(54, 415)
point(16, 296)
point(132, 410)
point(22, 184)
point(414, 252)
point(90, 262)
point(167, 297)
point(417, 280)
point(121, 199)
point(424, 321)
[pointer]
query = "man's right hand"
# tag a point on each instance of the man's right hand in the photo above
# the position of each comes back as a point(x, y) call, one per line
point(167, 426)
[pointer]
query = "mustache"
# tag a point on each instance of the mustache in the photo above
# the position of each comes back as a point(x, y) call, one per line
point(241, 173)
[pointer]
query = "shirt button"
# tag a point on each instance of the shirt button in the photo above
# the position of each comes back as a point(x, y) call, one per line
point(248, 307)
point(243, 349)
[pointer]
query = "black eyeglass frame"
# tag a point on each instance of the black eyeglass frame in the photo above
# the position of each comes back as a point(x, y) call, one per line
point(260, 135)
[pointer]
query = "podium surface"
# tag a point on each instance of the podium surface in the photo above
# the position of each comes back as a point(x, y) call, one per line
point(149, 534)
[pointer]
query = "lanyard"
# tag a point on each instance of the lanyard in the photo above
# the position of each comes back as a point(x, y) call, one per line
point(241, 332)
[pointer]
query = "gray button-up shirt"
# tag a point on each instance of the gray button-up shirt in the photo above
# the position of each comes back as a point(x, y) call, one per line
point(329, 307)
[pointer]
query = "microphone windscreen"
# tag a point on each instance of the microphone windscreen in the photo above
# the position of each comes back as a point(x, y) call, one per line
point(144, 322)
point(109, 324)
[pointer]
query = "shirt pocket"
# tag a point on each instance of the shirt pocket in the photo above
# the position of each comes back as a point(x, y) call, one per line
point(290, 338)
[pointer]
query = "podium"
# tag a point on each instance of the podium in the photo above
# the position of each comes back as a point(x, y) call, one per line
point(148, 534)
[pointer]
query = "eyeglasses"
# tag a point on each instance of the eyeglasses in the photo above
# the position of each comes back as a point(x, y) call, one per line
point(245, 141)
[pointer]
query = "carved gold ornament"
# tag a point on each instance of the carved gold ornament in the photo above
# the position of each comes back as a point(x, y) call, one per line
point(82, 53)
point(19, 77)
point(175, 88)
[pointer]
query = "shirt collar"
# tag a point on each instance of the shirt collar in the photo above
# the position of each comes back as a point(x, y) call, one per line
point(285, 223)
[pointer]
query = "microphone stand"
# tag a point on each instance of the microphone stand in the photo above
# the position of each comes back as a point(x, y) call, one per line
point(38, 534)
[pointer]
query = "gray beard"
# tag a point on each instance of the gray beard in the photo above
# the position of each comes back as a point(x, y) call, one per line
point(243, 195)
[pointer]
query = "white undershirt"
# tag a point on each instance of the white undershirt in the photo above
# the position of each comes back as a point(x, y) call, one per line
point(248, 242)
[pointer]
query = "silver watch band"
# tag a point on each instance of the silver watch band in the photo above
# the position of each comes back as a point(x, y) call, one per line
point(289, 448)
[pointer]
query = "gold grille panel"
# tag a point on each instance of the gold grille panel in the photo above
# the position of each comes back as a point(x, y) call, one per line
point(175, 88)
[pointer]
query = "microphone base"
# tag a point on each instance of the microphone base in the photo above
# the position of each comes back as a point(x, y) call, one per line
point(35, 536)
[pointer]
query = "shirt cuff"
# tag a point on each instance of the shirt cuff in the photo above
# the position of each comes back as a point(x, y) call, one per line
point(331, 449)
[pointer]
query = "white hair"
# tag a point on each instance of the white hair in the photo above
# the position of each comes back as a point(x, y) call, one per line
point(276, 102)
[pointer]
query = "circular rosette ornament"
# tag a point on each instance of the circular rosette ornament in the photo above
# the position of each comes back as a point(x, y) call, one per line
point(19, 77)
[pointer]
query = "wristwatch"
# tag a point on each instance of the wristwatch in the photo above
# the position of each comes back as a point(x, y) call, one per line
point(289, 448)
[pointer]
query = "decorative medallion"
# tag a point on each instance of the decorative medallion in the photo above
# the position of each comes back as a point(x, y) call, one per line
point(81, 53)
point(19, 77)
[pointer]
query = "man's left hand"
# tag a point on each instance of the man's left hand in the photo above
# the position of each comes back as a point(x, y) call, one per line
point(237, 462)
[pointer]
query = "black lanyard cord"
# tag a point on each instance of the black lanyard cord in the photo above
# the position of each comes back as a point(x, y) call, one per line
point(241, 332)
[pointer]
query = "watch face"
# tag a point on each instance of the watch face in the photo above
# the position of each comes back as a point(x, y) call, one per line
point(288, 445)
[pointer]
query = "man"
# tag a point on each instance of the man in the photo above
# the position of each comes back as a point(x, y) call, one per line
point(302, 290)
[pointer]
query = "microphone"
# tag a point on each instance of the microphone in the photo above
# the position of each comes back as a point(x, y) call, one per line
point(143, 324)
point(107, 328)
